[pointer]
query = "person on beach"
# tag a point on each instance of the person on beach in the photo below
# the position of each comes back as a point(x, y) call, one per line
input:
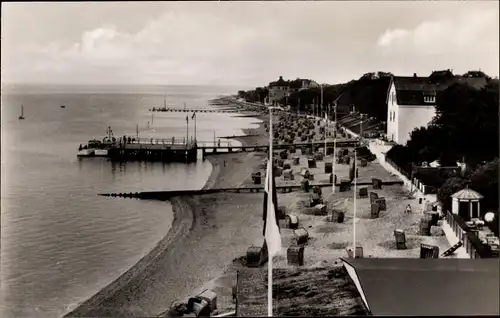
point(408, 209)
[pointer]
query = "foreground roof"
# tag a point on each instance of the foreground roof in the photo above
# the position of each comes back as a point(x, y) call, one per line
point(298, 292)
point(425, 287)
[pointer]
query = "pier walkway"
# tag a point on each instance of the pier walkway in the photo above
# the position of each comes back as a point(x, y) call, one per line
point(167, 150)
point(208, 148)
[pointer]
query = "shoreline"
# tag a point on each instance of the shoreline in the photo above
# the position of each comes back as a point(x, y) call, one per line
point(119, 298)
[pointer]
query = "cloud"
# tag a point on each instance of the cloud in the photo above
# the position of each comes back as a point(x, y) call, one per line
point(193, 46)
point(471, 30)
point(242, 43)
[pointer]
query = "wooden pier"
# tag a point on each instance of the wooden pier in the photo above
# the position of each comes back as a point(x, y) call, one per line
point(171, 151)
point(143, 149)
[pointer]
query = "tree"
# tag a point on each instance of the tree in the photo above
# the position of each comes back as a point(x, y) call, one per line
point(484, 180)
point(470, 119)
point(424, 144)
point(475, 74)
point(449, 187)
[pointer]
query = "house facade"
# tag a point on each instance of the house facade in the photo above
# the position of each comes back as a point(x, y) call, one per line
point(300, 84)
point(411, 101)
point(278, 90)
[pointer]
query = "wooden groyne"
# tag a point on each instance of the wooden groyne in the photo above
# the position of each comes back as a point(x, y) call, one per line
point(165, 195)
point(192, 110)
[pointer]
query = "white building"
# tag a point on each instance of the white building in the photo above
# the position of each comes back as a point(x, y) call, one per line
point(411, 101)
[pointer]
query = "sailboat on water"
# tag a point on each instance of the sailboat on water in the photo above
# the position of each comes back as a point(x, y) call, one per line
point(22, 112)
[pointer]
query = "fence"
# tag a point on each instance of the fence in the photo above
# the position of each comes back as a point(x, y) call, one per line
point(425, 189)
point(473, 245)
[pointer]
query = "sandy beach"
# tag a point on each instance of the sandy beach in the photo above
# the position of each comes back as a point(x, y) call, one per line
point(212, 232)
point(204, 226)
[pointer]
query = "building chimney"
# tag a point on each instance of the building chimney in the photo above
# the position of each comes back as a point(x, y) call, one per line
point(414, 74)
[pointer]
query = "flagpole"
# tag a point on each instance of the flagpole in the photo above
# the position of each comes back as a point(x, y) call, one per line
point(194, 115)
point(354, 219)
point(270, 186)
point(270, 264)
point(187, 129)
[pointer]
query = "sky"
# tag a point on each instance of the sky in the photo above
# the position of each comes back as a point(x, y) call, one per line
point(243, 43)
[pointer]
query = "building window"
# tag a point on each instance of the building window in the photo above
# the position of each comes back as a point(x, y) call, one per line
point(430, 99)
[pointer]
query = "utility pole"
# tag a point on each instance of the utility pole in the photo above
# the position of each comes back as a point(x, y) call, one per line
point(334, 143)
point(321, 97)
point(194, 115)
point(187, 128)
point(354, 212)
point(361, 128)
point(298, 106)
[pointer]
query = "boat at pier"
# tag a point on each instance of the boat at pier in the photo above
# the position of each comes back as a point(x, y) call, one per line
point(97, 147)
point(86, 152)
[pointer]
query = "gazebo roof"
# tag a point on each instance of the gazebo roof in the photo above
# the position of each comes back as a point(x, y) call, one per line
point(467, 194)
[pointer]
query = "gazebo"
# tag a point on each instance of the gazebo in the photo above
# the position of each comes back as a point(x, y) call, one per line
point(466, 203)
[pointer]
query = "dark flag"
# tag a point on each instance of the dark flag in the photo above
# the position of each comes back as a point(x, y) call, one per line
point(187, 119)
point(274, 199)
point(352, 172)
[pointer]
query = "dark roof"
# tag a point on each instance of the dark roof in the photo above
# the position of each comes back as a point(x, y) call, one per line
point(428, 287)
point(279, 82)
point(441, 74)
point(411, 83)
point(296, 83)
point(410, 90)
